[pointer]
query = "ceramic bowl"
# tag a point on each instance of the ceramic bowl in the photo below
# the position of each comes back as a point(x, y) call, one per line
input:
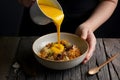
point(60, 65)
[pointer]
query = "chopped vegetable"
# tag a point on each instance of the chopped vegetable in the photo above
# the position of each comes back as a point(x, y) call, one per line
point(61, 52)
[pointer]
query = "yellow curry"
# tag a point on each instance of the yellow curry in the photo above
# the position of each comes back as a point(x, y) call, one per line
point(57, 15)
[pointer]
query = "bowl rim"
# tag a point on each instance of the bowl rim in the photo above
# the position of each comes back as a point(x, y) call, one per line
point(60, 60)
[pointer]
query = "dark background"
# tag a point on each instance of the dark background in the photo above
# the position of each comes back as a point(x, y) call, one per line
point(11, 16)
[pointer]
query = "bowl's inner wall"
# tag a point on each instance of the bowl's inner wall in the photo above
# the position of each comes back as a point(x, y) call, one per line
point(73, 39)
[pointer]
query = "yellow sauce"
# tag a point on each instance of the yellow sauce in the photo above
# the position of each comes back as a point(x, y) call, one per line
point(47, 2)
point(57, 49)
point(57, 15)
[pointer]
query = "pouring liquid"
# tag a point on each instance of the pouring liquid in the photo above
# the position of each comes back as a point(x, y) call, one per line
point(53, 13)
point(56, 15)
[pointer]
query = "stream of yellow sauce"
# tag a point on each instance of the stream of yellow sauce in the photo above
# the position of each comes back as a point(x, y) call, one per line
point(56, 15)
point(51, 11)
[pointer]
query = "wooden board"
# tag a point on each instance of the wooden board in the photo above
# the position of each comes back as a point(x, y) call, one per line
point(31, 69)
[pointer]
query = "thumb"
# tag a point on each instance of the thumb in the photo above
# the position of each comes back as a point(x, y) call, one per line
point(84, 34)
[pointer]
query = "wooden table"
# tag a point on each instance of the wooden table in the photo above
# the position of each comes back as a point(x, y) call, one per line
point(19, 50)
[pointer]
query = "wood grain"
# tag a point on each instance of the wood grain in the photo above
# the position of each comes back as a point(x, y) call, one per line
point(32, 70)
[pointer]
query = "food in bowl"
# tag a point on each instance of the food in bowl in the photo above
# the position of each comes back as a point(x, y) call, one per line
point(59, 52)
point(73, 39)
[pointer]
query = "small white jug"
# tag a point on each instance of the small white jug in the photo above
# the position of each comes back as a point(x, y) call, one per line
point(38, 16)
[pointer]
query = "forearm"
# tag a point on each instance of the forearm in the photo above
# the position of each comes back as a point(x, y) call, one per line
point(101, 14)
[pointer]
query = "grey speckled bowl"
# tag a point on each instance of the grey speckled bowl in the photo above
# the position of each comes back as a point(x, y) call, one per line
point(60, 65)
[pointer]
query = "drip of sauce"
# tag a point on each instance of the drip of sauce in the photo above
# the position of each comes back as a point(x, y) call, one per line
point(51, 11)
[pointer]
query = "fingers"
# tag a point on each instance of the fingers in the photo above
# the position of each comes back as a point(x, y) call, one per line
point(92, 44)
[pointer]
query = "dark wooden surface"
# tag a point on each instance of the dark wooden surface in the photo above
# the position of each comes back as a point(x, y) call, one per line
point(19, 50)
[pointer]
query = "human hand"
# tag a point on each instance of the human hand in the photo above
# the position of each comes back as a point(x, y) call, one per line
point(88, 35)
point(26, 3)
